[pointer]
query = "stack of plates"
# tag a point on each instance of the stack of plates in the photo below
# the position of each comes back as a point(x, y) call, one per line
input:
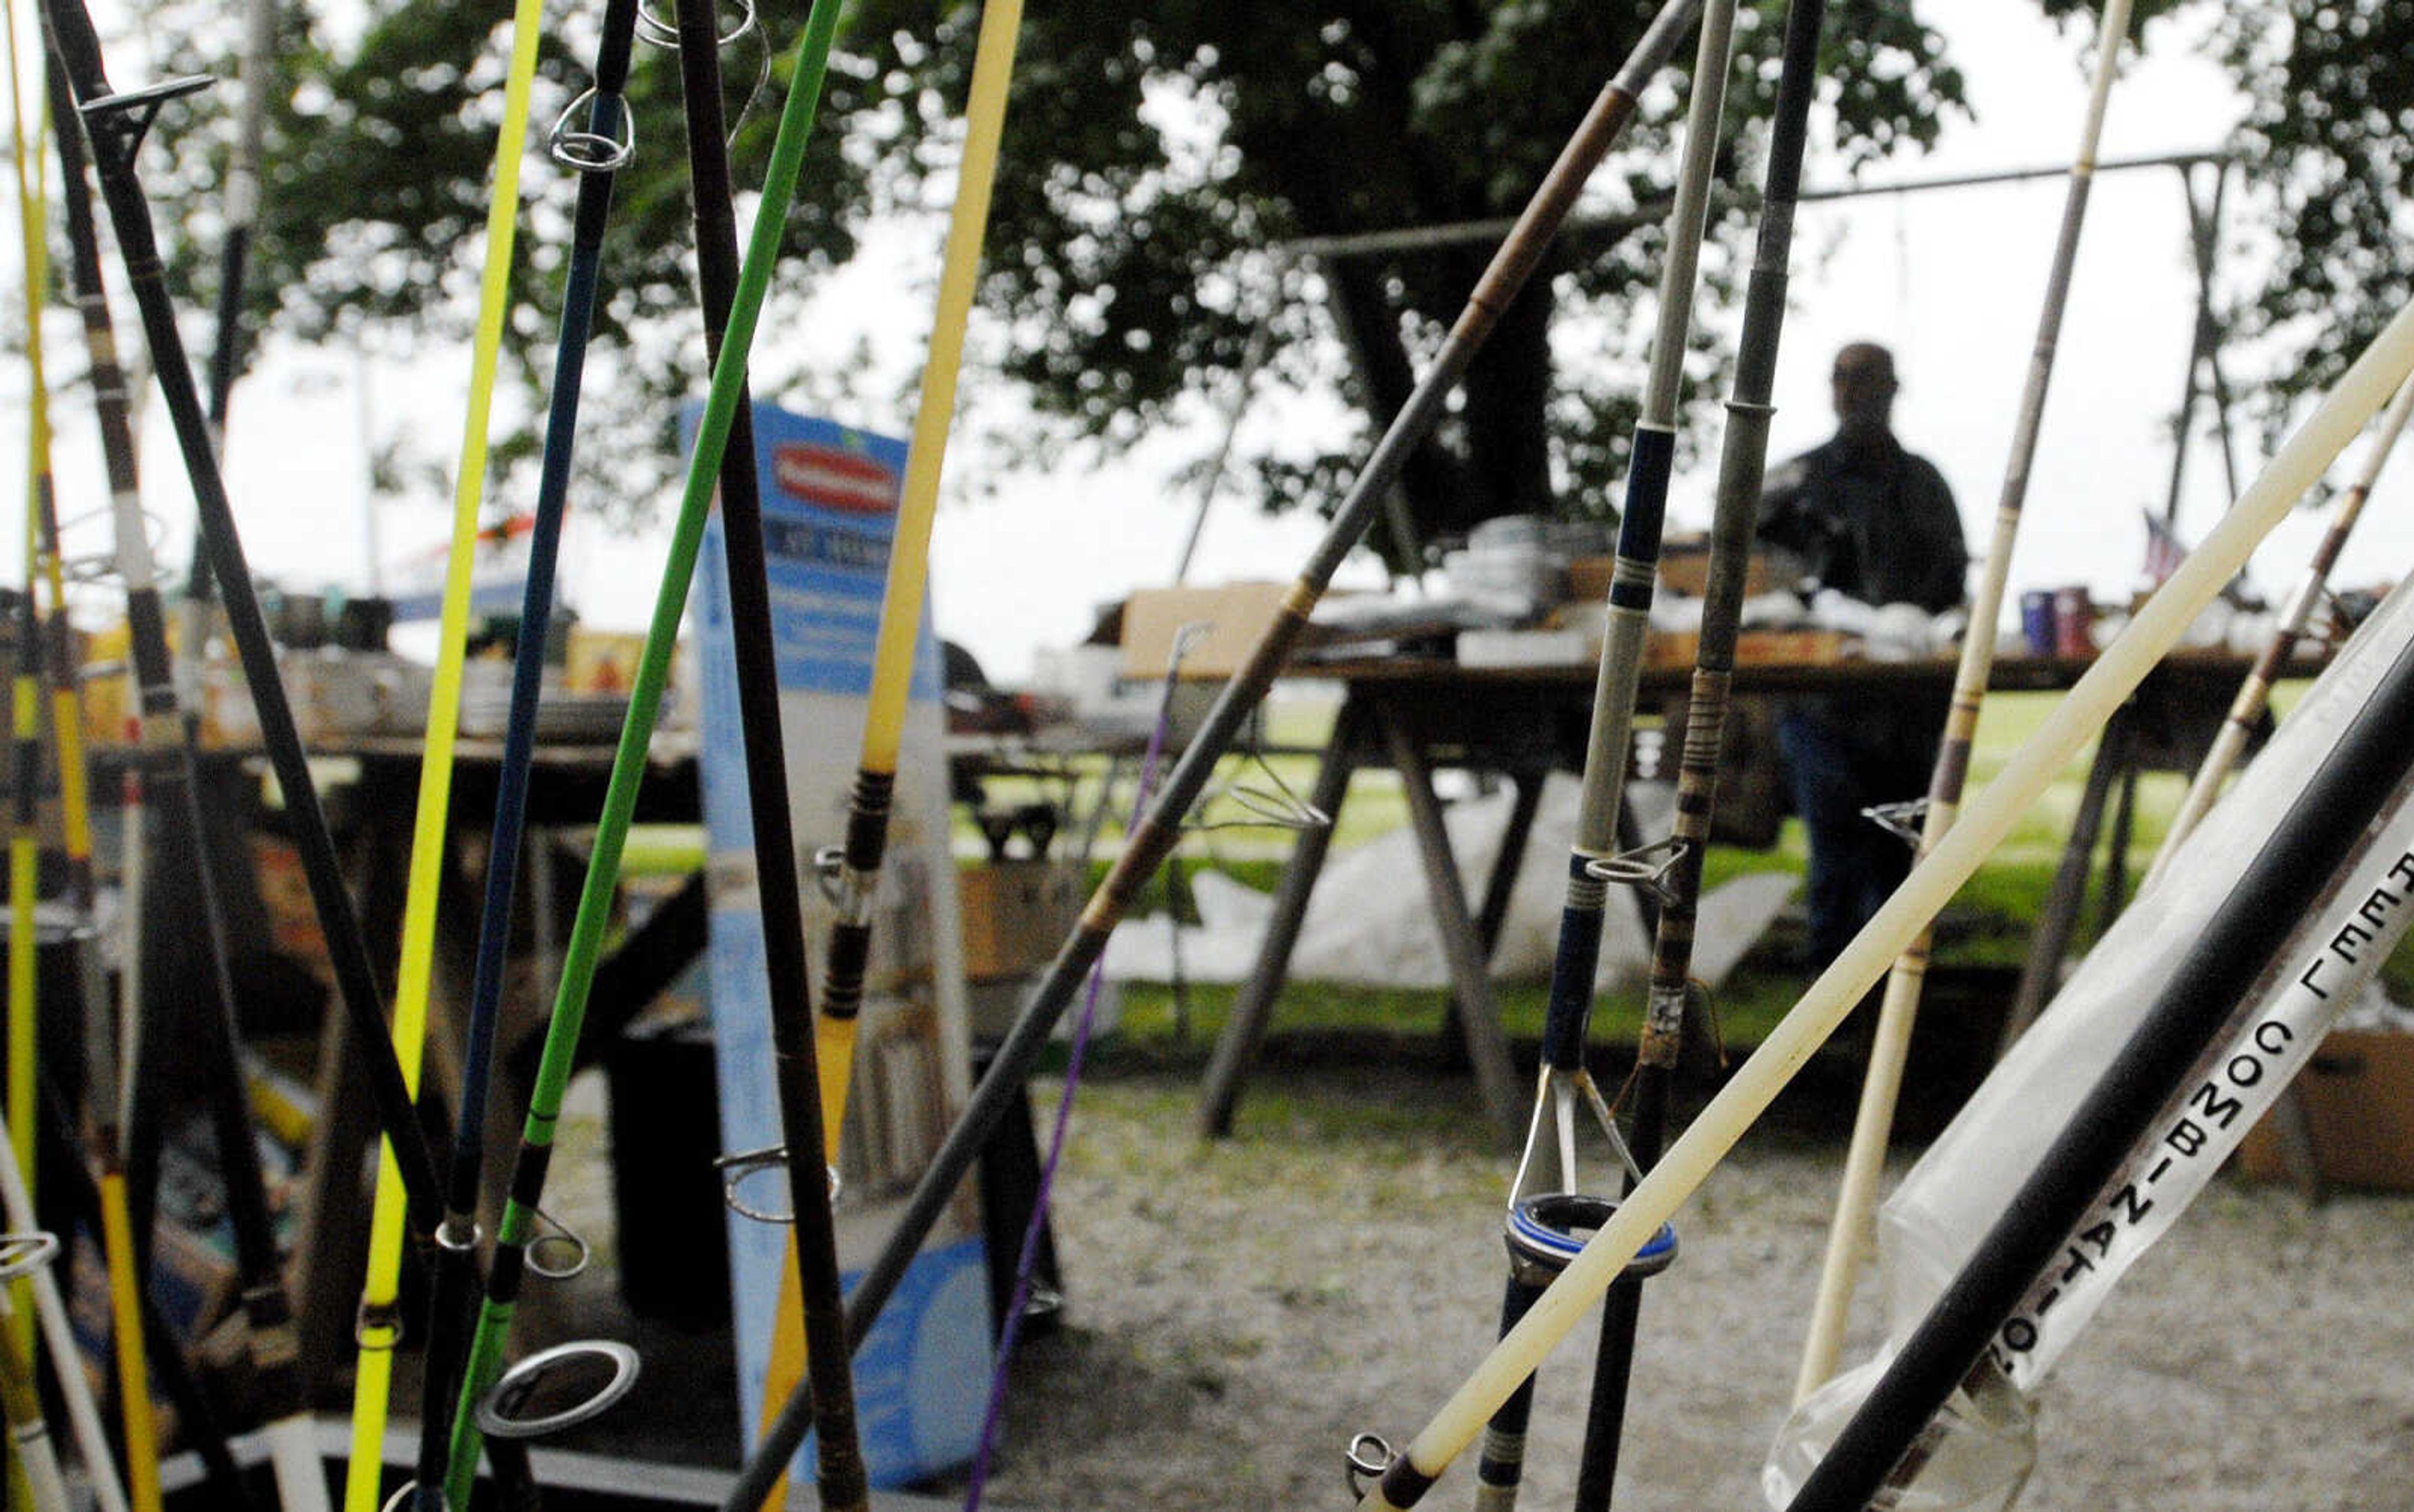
point(562, 718)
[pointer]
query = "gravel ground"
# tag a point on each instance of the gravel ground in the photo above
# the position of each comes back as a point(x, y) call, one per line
point(1237, 1311)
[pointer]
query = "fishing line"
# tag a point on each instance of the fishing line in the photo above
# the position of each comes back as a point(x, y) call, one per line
point(379, 1326)
point(1520, 254)
point(1026, 1264)
point(1890, 1048)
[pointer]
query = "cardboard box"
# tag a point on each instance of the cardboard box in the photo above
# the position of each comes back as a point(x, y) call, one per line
point(1685, 568)
point(2359, 1097)
point(1235, 614)
point(1015, 914)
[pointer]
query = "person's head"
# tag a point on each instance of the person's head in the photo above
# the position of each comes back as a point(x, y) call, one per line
point(1863, 387)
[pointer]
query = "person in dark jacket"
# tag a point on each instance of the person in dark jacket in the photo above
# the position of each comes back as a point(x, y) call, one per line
point(1863, 517)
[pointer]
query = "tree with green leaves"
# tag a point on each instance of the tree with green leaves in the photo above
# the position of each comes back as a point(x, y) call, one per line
point(1160, 158)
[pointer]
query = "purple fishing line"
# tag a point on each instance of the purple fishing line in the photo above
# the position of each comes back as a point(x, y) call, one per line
point(993, 1414)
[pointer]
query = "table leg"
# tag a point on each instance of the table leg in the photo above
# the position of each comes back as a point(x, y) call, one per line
point(1236, 1048)
point(1487, 1048)
point(2115, 894)
point(1498, 890)
point(2050, 940)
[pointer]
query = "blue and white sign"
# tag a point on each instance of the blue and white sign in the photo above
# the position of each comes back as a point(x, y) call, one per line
point(830, 504)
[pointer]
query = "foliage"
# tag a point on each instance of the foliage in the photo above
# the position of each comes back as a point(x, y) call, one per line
point(1157, 153)
point(2327, 150)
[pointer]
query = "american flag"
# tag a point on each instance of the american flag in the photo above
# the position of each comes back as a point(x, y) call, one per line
point(2164, 551)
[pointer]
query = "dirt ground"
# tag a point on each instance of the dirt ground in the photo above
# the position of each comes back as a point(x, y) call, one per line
point(1237, 1311)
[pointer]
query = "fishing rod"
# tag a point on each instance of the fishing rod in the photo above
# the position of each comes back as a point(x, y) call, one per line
point(116, 124)
point(857, 872)
point(121, 1256)
point(1890, 1047)
point(21, 1402)
point(2254, 693)
point(150, 715)
point(810, 1130)
point(1742, 459)
point(1961, 1184)
point(267, 1306)
point(26, 683)
point(629, 758)
point(596, 151)
point(854, 870)
point(1752, 1086)
point(1035, 1230)
point(1537, 1245)
point(1148, 845)
point(164, 1357)
point(380, 1327)
point(58, 1338)
point(2240, 946)
point(241, 206)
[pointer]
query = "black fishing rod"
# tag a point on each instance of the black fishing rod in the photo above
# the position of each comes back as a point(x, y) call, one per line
point(2237, 949)
point(596, 151)
point(841, 1481)
point(1544, 1225)
point(115, 124)
point(1742, 459)
point(1154, 838)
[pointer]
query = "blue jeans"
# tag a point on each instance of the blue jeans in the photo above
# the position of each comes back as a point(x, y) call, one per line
point(1854, 863)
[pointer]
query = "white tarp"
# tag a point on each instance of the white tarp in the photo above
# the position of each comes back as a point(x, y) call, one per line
point(1370, 919)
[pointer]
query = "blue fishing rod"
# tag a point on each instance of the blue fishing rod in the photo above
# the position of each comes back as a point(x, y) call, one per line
point(596, 151)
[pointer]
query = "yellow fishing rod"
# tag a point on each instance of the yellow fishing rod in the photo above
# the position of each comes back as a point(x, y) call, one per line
point(140, 1438)
point(25, 697)
point(379, 1325)
point(840, 1000)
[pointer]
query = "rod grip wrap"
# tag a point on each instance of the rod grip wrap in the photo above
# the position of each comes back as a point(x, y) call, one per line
point(1645, 509)
point(867, 820)
point(147, 627)
point(850, 954)
point(1571, 977)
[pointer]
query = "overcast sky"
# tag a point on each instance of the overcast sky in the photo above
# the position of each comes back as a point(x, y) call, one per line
point(1951, 280)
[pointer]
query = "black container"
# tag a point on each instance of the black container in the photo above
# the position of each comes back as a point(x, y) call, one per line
point(665, 1134)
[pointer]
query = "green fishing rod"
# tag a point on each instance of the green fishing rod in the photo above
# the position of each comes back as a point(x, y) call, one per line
point(1537, 1228)
point(806, 1127)
point(1520, 254)
point(636, 732)
point(596, 150)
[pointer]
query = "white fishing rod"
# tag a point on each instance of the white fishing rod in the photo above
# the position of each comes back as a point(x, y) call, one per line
point(1890, 1047)
point(2254, 694)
